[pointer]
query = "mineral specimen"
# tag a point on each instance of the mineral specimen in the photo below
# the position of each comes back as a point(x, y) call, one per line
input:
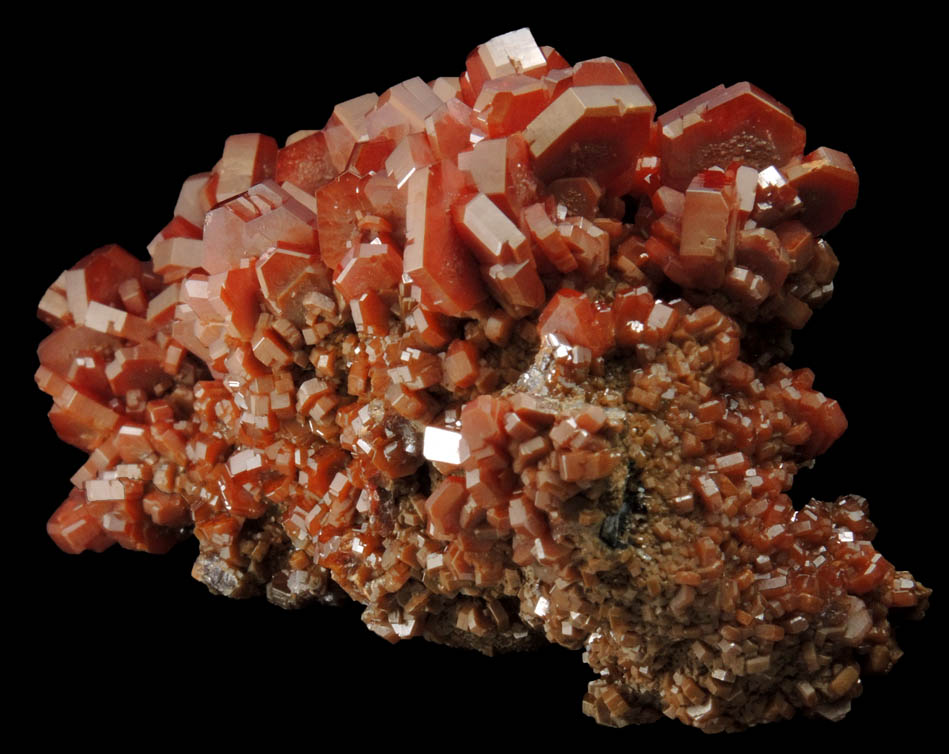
point(499, 357)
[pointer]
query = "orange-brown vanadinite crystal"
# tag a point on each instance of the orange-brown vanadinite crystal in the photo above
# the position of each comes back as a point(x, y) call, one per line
point(498, 356)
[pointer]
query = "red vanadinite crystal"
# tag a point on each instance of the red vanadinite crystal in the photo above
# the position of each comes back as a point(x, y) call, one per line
point(499, 357)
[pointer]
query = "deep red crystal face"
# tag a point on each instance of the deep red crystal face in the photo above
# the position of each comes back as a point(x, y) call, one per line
point(502, 358)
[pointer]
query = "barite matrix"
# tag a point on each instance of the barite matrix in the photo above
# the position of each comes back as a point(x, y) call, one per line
point(498, 356)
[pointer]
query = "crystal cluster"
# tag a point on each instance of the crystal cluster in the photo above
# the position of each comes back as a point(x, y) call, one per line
point(499, 357)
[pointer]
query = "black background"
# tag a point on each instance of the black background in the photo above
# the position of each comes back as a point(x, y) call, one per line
point(113, 113)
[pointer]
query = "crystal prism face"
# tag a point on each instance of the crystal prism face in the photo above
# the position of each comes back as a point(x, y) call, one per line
point(499, 357)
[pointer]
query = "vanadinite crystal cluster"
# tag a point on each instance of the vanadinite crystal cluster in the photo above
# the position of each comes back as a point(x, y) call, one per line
point(498, 356)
